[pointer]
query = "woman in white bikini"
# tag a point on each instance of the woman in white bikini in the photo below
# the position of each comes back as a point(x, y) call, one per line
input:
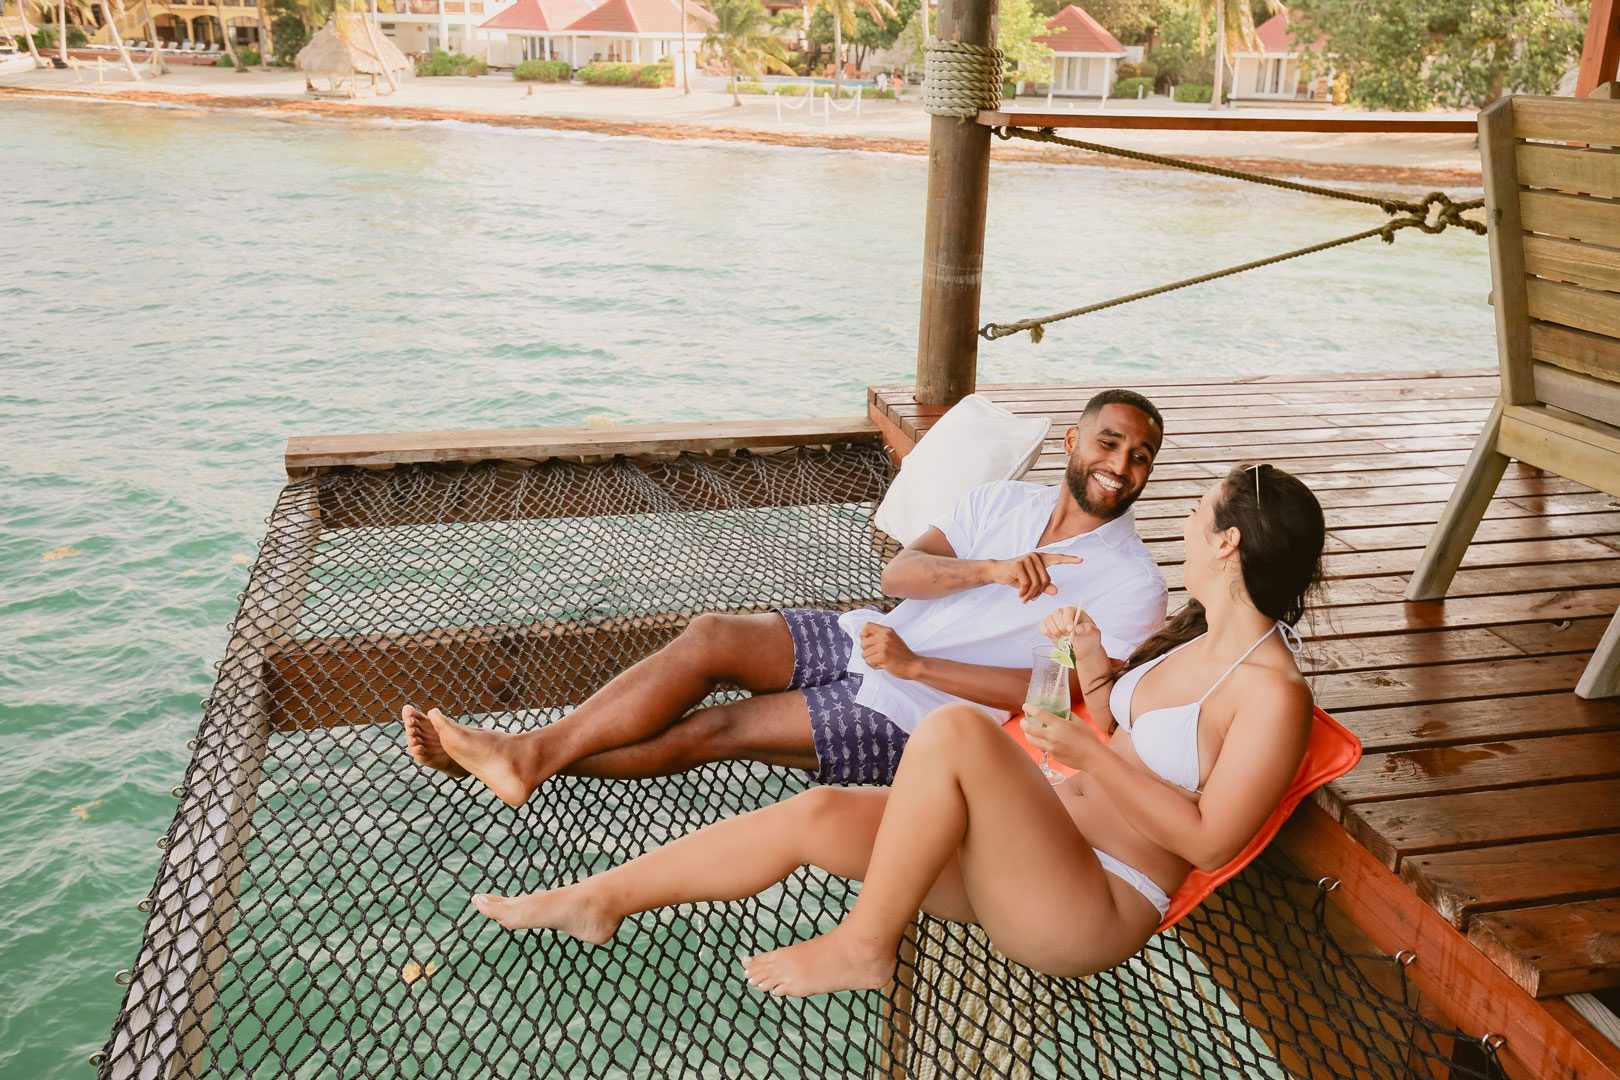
point(1213, 718)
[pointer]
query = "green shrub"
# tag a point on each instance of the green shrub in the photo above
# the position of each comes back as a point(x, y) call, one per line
point(291, 35)
point(750, 88)
point(1009, 90)
point(542, 71)
point(645, 75)
point(1126, 70)
point(77, 38)
point(44, 38)
point(224, 61)
point(443, 63)
point(1127, 88)
point(1147, 69)
point(248, 56)
point(1193, 92)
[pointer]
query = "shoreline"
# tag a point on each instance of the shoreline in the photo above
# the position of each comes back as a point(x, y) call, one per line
point(297, 107)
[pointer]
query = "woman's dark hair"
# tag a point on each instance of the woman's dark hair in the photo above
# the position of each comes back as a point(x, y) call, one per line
point(1280, 552)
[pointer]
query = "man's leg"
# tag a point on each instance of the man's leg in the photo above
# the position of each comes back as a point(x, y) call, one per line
point(773, 729)
point(754, 652)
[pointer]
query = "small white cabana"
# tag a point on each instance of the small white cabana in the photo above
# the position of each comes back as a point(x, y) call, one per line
point(1084, 54)
point(1276, 70)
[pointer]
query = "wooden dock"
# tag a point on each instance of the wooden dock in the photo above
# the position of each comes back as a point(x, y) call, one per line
point(1488, 790)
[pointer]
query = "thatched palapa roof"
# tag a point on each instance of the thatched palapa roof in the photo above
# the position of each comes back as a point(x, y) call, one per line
point(343, 47)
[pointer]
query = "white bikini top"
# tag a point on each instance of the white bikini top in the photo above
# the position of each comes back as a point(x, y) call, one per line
point(1169, 746)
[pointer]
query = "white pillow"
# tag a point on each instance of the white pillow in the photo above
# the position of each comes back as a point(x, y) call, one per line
point(975, 442)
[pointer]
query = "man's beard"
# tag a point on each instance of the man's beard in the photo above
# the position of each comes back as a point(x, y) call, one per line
point(1076, 479)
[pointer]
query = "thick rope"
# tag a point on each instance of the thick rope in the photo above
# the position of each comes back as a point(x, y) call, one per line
point(1434, 213)
point(960, 79)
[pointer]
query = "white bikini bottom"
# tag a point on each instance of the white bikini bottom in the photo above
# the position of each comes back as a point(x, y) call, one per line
point(1137, 880)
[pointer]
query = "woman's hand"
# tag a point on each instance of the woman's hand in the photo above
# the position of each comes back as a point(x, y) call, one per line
point(1070, 742)
point(1090, 658)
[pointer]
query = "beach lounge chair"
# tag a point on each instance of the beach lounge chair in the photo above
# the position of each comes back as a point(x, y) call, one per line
point(1551, 178)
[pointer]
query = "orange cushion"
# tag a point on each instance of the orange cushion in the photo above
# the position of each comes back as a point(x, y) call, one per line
point(1331, 753)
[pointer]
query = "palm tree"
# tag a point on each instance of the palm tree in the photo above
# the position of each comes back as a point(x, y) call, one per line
point(61, 32)
point(1234, 26)
point(114, 10)
point(28, 33)
point(376, 49)
point(743, 37)
point(843, 14)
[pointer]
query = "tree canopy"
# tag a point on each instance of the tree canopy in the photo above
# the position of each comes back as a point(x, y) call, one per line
point(1415, 54)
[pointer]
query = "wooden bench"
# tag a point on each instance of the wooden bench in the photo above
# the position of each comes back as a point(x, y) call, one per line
point(1552, 196)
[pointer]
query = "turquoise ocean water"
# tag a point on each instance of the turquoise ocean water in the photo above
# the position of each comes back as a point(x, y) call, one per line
point(182, 290)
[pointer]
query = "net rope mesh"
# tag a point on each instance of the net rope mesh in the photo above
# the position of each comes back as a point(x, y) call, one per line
point(310, 916)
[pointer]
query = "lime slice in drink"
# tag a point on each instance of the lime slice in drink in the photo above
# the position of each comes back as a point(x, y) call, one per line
point(1063, 654)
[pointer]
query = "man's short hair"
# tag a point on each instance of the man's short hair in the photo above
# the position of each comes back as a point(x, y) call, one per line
point(1123, 397)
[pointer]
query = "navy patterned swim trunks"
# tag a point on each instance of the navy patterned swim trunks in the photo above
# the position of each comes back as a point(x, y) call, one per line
point(854, 744)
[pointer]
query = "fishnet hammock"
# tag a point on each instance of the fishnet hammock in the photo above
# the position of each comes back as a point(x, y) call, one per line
point(310, 916)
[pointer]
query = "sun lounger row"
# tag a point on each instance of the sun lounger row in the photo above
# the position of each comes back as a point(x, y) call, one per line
point(182, 46)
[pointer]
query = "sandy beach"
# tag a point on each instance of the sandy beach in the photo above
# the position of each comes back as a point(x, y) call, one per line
point(708, 113)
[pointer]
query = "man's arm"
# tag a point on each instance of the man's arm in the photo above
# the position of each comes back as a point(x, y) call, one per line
point(999, 688)
point(929, 569)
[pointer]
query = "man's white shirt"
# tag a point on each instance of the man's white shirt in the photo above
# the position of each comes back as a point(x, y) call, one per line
point(1118, 585)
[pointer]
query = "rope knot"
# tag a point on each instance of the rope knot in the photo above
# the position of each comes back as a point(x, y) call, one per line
point(960, 79)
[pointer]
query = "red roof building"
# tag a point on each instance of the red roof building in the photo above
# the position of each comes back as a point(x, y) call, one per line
point(660, 17)
point(1275, 71)
point(1078, 34)
point(1084, 54)
point(538, 16)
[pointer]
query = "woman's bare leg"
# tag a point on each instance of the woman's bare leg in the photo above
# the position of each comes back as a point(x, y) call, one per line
point(832, 828)
point(964, 790)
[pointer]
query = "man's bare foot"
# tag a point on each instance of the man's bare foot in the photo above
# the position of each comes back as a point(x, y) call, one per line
point(841, 959)
point(492, 756)
point(423, 743)
point(568, 910)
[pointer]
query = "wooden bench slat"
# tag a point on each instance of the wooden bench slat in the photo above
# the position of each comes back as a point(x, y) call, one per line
point(1574, 216)
point(1569, 168)
point(1436, 770)
point(1551, 118)
point(1590, 354)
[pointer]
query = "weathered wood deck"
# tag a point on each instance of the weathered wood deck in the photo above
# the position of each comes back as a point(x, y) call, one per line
point(1487, 786)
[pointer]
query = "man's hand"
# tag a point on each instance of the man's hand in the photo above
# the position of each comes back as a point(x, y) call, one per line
point(1028, 574)
point(884, 650)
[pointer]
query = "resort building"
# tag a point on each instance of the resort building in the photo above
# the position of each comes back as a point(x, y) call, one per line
point(1084, 54)
point(1276, 71)
point(422, 26)
point(181, 25)
point(639, 32)
point(532, 30)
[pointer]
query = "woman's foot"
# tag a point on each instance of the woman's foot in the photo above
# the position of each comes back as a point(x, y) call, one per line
point(567, 910)
point(840, 960)
point(492, 756)
point(422, 740)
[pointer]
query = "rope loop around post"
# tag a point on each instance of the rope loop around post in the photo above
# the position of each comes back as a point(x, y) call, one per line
point(960, 79)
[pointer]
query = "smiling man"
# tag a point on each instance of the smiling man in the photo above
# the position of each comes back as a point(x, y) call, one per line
point(839, 694)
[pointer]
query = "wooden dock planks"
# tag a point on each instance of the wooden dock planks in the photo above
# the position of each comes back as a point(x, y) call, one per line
point(1487, 786)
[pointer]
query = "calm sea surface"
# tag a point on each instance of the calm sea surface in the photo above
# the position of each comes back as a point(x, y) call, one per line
point(180, 291)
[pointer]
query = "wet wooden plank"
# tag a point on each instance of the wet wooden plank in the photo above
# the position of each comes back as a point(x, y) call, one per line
point(1437, 770)
point(1401, 828)
point(1401, 727)
point(1461, 884)
point(1487, 610)
point(1555, 949)
point(1383, 651)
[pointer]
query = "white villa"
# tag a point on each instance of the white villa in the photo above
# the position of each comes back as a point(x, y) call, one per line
point(421, 26)
point(1084, 54)
point(626, 31)
point(1276, 71)
point(533, 30)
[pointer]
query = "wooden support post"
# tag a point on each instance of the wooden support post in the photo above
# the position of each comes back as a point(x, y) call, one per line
point(953, 237)
point(1601, 53)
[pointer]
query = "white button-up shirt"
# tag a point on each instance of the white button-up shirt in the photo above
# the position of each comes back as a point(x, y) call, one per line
point(1118, 584)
